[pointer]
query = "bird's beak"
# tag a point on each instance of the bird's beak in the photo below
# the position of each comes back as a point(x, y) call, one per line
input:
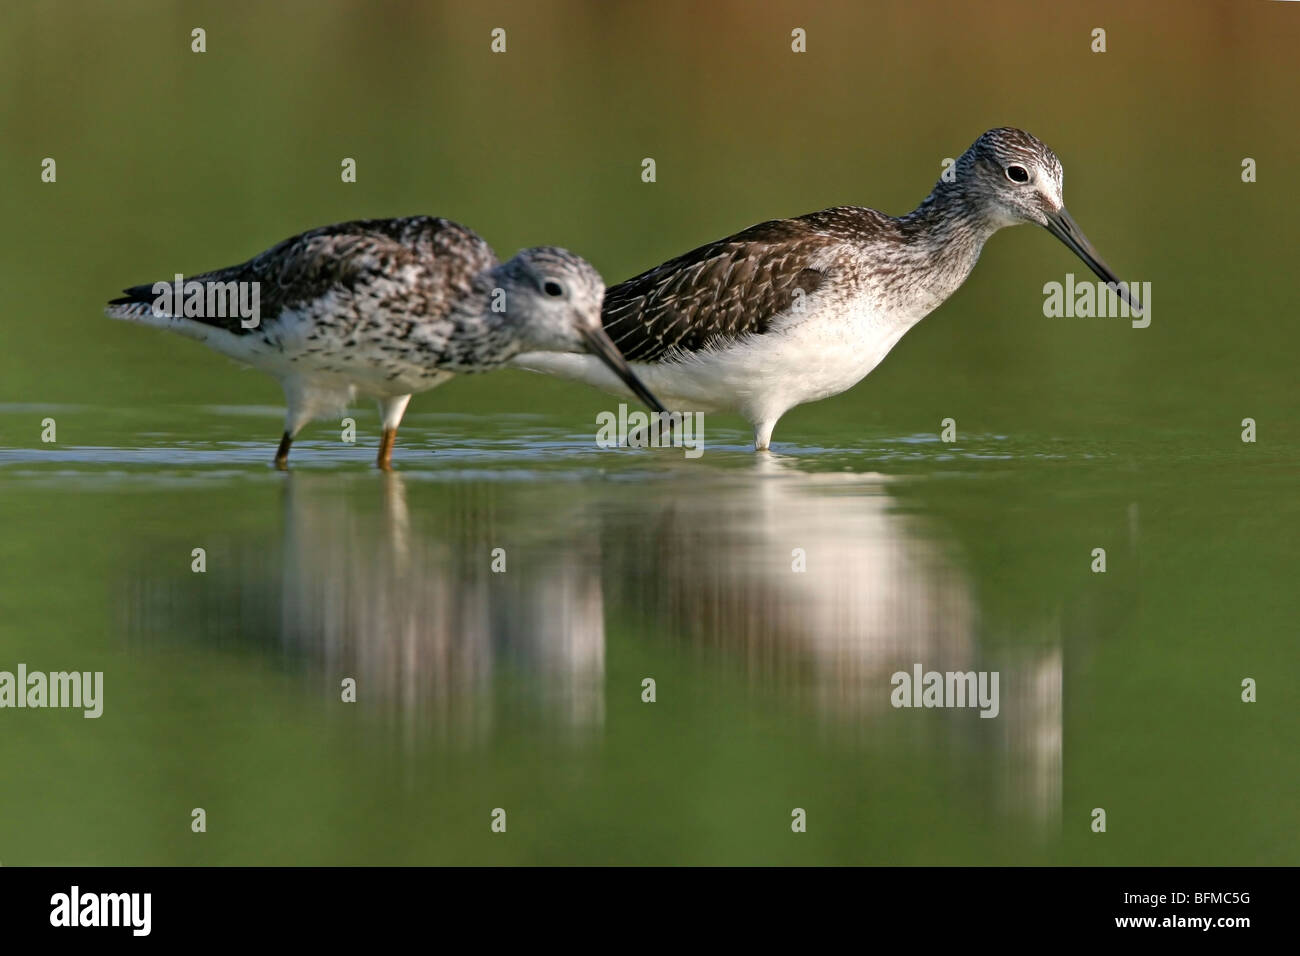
point(604, 348)
point(1063, 227)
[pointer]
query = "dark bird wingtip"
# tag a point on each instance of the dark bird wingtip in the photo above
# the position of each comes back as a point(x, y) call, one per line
point(133, 294)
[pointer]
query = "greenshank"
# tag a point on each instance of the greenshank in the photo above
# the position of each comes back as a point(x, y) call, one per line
point(384, 308)
point(795, 310)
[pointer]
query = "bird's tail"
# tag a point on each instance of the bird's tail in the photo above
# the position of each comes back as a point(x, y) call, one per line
point(143, 305)
point(140, 304)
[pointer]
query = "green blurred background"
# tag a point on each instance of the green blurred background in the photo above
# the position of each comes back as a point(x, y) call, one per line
point(1076, 433)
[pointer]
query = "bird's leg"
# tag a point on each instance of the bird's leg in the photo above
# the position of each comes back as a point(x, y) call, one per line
point(391, 411)
point(385, 461)
point(282, 453)
point(296, 416)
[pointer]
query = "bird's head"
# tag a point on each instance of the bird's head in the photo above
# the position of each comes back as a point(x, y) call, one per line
point(554, 298)
point(1009, 177)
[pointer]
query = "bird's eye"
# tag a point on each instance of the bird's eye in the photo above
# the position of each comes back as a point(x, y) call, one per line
point(551, 287)
point(1017, 174)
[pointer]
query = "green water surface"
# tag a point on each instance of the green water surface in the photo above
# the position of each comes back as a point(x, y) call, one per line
point(523, 690)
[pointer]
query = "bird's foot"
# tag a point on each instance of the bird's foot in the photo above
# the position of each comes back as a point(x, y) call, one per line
point(385, 460)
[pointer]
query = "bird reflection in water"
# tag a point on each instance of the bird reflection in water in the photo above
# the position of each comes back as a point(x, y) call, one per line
point(882, 590)
point(416, 613)
point(406, 602)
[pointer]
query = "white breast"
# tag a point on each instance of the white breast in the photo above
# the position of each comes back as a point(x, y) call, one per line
point(759, 376)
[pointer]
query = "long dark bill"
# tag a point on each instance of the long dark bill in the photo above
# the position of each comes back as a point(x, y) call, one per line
point(604, 348)
point(1063, 227)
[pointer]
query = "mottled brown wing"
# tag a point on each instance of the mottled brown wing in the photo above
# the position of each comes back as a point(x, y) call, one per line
point(716, 293)
point(435, 259)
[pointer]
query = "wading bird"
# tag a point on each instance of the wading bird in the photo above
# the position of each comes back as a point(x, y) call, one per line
point(795, 310)
point(384, 308)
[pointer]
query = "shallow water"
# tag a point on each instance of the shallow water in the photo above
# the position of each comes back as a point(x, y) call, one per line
point(523, 689)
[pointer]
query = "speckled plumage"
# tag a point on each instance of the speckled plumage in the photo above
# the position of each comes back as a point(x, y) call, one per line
point(391, 307)
point(794, 310)
point(370, 283)
point(747, 284)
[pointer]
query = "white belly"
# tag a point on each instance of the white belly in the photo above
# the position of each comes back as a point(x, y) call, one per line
point(325, 365)
point(759, 376)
